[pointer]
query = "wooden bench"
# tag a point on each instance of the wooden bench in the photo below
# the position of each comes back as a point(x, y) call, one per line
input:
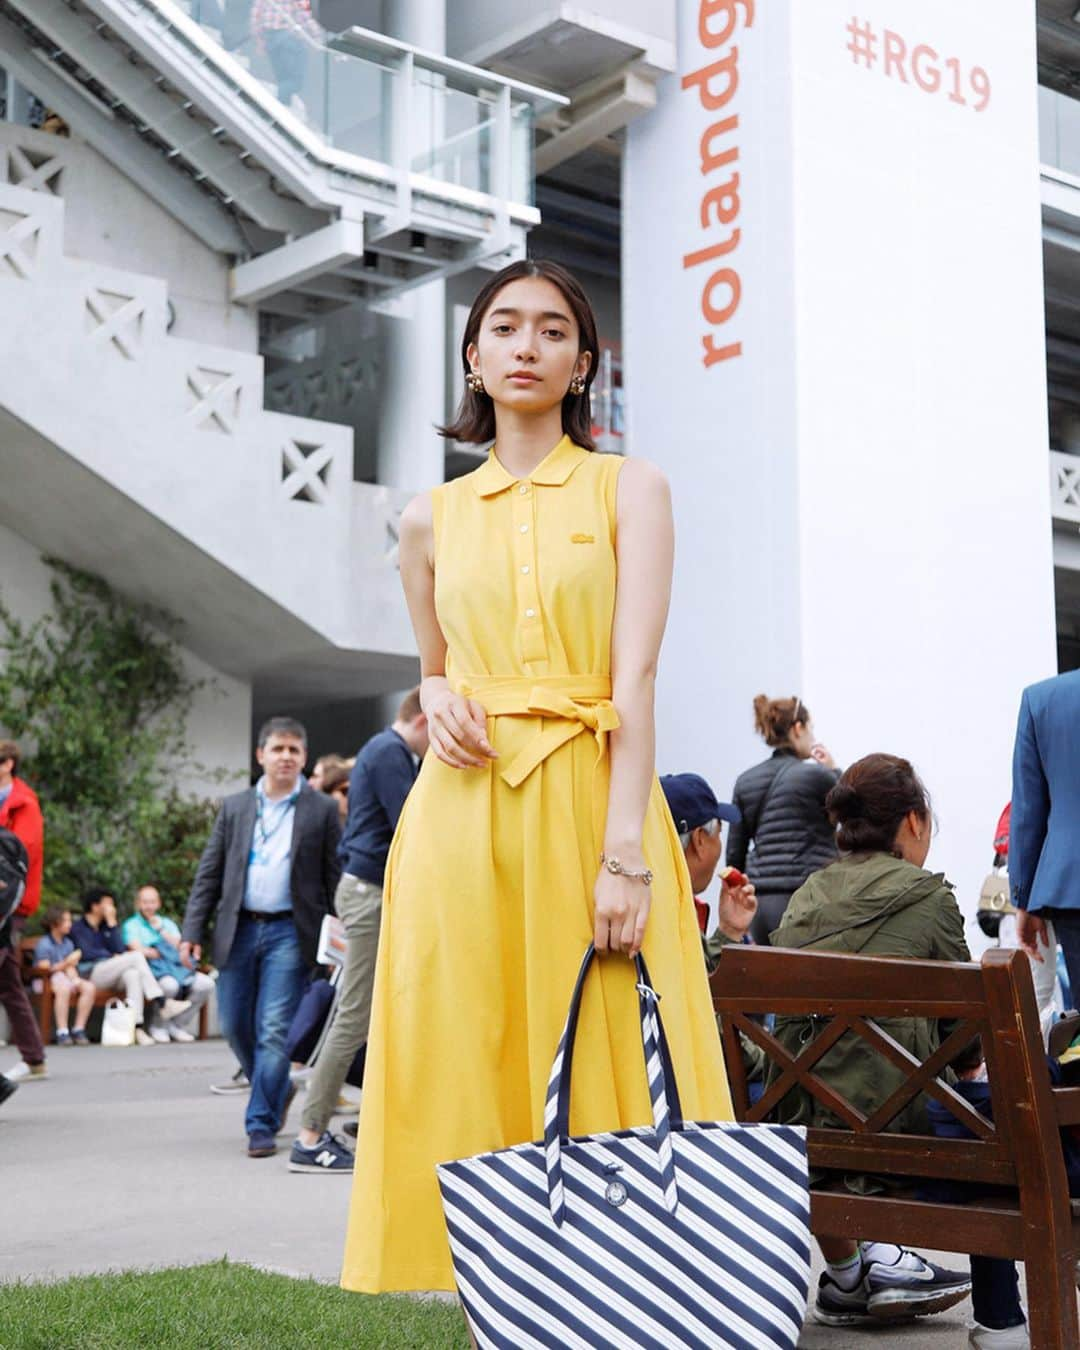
point(40, 993)
point(1034, 1220)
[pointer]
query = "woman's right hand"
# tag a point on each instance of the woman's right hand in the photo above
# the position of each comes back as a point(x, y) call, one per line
point(457, 730)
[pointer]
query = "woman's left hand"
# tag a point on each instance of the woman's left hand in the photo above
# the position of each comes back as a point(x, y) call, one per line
point(621, 913)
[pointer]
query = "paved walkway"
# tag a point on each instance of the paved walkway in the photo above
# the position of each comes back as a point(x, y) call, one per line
point(123, 1158)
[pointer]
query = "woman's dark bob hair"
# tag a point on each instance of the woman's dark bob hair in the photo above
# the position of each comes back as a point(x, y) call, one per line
point(475, 420)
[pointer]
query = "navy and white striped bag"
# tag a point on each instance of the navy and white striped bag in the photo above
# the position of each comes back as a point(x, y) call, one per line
point(683, 1236)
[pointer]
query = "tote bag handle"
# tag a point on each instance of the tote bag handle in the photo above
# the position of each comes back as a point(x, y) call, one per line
point(663, 1091)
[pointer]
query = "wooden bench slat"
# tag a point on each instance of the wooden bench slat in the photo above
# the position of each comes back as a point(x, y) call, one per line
point(912, 1155)
point(986, 1230)
point(1067, 1105)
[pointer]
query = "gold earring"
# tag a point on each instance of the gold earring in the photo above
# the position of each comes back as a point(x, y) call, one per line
point(577, 384)
point(475, 382)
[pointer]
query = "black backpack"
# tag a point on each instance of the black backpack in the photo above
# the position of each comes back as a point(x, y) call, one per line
point(14, 865)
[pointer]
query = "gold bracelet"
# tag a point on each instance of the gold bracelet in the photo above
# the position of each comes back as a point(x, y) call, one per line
point(614, 866)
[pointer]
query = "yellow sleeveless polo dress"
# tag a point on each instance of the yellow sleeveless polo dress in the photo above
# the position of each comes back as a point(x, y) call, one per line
point(488, 902)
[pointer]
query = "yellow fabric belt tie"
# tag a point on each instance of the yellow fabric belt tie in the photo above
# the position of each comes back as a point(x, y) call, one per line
point(574, 703)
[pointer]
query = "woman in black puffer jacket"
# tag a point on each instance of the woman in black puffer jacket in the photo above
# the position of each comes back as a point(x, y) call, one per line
point(784, 834)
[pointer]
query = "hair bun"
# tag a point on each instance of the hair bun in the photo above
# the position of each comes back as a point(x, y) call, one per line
point(844, 803)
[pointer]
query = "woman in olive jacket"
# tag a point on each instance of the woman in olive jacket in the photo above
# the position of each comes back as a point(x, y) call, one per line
point(879, 900)
point(785, 833)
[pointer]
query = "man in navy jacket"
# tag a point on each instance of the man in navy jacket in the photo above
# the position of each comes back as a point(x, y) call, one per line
point(1044, 833)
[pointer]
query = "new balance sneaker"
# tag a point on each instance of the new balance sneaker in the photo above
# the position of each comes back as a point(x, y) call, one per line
point(913, 1287)
point(63, 1036)
point(79, 1036)
point(1012, 1338)
point(328, 1155)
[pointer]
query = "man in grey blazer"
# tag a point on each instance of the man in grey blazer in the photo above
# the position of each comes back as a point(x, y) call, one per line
point(266, 879)
point(1044, 826)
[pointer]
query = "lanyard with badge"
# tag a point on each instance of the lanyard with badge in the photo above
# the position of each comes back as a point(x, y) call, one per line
point(261, 836)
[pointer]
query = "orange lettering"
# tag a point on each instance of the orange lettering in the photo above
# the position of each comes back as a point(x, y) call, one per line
point(709, 161)
point(895, 54)
point(711, 8)
point(926, 71)
point(727, 65)
point(723, 201)
point(713, 354)
point(726, 276)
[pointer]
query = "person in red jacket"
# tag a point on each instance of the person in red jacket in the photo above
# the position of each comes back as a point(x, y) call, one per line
point(21, 814)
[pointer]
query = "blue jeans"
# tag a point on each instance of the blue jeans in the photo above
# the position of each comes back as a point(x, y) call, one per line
point(258, 990)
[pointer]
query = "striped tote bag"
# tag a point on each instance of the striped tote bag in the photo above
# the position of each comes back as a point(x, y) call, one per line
point(676, 1236)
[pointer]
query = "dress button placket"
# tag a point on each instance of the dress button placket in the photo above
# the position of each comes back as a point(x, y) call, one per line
point(530, 623)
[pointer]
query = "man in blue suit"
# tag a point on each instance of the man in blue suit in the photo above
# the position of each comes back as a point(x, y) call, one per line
point(1044, 831)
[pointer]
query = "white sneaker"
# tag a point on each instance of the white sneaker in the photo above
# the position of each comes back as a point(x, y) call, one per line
point(179, 1034)
point(1012, 1338)
point(159, 1035)
point(173, 1007)
point(143, 1037)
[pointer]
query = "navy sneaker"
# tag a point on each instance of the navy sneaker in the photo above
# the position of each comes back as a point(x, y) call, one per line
point(261, 1145)
point(894, 1293)
point(890, 1293)
point(328, 1155)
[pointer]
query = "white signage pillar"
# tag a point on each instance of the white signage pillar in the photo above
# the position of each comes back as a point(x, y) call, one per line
point(833, 330)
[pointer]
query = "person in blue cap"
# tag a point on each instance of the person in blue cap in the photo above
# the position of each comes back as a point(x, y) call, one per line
point(699, 818)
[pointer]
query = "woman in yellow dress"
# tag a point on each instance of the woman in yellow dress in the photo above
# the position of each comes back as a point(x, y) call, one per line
point(538, 587)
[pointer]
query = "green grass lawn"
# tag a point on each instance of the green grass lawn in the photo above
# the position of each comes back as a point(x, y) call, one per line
point(218, 1307)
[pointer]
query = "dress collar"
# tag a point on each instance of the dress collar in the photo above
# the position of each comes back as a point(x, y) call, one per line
point(552, 471)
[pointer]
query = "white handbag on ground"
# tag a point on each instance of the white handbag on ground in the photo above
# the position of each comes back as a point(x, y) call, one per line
point(118, 1023)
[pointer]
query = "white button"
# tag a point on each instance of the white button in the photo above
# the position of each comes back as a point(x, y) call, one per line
point(524, 529)
point(525, 570)
point(530, 613)
point(523, 489)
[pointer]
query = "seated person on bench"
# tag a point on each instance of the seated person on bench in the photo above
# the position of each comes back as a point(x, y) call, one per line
point(878, 900)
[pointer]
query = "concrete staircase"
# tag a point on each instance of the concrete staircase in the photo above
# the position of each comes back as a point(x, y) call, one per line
point(152, 460)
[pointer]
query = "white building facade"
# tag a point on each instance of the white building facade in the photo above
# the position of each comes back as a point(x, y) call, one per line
point(230, 299)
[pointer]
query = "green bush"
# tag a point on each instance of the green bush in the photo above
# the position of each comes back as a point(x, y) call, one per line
point(97, 694)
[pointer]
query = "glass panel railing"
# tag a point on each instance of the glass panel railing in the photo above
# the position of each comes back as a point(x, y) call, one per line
point(522, 142)
point(450, 132)
point(1059, 130)
point(342, 97)
point(346, 88)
